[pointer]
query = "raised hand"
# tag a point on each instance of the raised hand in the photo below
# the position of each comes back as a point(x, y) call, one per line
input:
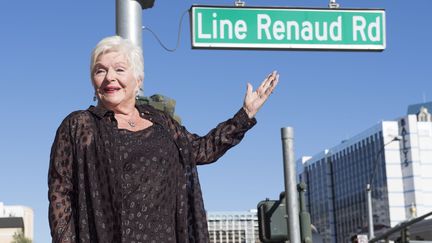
point(255, 99)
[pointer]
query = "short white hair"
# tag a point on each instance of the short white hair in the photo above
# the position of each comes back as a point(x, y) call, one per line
point(116, 43)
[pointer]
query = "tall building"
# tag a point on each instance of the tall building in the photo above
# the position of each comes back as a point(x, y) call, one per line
point(14, 219)
point(233, 227)
point(337, 177)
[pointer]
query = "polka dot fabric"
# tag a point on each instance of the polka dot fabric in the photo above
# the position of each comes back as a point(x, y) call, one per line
point(112, 185)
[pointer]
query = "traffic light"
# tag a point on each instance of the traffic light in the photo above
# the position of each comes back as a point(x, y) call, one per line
point(305, 220)
point(272, 221)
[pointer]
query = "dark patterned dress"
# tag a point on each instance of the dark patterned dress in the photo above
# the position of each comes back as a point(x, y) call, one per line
point(112, 185)
point(150, 179)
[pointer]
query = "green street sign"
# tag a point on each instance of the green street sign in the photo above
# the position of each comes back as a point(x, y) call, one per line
point(287, 28)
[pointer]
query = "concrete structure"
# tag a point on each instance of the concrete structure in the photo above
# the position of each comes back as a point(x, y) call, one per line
point(233, 227)
point(337, 177)
point(15, 219)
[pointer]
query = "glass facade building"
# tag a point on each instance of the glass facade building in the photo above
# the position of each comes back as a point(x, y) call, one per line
point(337, 178)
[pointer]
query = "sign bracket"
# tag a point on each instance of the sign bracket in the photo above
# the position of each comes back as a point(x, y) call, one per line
point(333, 4)
point(239, 3)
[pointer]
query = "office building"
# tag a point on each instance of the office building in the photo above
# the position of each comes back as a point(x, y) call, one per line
point(400, 153)
point(15, 219)
point(233, 227)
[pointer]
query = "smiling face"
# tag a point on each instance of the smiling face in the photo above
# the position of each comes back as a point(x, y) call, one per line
point(115, 83)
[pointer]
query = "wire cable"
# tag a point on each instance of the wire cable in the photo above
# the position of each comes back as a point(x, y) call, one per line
point(178, 36)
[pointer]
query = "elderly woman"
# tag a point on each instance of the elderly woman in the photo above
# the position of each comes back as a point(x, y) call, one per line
point(122, 172)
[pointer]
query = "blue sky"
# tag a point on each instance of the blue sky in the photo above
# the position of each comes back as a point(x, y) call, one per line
point(326, 96)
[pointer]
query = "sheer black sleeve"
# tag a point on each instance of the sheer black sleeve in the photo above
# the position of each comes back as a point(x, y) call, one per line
point(207, 149)
point(60, 185)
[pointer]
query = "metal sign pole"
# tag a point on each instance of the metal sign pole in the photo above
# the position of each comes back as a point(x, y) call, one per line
point(129, 21)
point(292, 207)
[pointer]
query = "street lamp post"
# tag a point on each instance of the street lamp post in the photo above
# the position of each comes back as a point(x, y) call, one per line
point(369, 187)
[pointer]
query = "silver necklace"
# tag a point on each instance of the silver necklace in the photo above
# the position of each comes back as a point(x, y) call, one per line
point(130, 122)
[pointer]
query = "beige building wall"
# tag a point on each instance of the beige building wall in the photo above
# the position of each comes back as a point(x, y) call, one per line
point(23, 212)
point(6, 235)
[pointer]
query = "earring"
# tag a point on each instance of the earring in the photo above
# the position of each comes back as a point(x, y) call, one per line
point(137, 95)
